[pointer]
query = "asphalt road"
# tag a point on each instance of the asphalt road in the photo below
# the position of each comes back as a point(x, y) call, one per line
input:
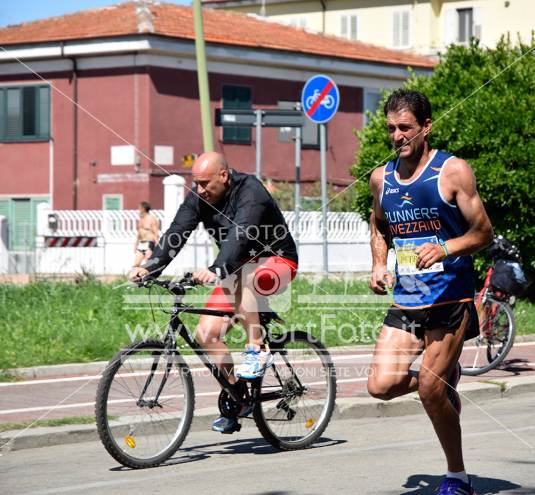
point(66, 396)
point(398, 455)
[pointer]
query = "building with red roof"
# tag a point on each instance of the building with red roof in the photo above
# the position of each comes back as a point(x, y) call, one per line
point(97, 107)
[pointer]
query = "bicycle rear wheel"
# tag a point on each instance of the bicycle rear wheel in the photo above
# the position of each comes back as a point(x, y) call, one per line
point(294, 400)
point(144, 405)
point(496, 336)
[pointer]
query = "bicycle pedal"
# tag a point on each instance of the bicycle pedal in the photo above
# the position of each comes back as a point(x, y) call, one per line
point(235, 430)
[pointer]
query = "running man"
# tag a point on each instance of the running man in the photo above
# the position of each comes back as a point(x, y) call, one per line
point(256, 251)
point(426, 205)
point(147, 234)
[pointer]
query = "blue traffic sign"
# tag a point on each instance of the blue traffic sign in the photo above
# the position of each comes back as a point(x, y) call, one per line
point(320, 99)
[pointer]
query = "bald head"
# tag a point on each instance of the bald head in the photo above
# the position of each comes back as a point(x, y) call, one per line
point(210, 173)
point(211, 162)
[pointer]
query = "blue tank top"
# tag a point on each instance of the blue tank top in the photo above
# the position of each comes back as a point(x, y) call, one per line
point(417, 213)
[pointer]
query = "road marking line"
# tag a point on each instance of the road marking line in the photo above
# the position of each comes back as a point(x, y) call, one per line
point(193, 370)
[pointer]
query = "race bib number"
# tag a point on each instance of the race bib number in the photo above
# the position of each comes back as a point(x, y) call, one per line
point(406, 255)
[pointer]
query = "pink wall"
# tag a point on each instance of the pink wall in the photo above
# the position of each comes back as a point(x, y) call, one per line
point(25, 166)
point(167, 114)
point(27, 161)
point(174, 94)
point(111, 97)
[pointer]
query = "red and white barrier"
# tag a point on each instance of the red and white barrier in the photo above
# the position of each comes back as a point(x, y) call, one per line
point(71, 241)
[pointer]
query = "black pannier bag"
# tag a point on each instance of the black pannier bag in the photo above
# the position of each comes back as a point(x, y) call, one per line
point(509, 277)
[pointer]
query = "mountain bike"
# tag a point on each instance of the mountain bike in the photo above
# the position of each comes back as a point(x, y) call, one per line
point(145, 398)
point(505, 280)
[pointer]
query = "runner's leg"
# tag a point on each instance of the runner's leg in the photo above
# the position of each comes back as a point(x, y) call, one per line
point(442, 351)
point(393, 355)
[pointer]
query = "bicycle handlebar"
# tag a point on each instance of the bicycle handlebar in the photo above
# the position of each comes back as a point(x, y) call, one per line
point(502, 249)
point(178, 288)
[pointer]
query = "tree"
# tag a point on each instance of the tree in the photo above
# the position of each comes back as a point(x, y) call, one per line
point(484, 112)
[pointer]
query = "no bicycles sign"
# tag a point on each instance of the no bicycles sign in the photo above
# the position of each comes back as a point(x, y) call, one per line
point(320, 99)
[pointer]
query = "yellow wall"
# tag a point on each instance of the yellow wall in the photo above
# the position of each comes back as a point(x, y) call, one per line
point(427, 19)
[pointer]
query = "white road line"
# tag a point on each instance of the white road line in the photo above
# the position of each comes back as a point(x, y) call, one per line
point(117, 401)
point(86, 404)
point(193, 370)
point(516, 344)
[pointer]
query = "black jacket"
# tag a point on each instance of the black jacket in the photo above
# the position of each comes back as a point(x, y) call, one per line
point(245, 223)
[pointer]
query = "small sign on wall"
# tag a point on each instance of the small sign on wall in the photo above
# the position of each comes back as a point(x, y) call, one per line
point(163, 155)
point(123, 155)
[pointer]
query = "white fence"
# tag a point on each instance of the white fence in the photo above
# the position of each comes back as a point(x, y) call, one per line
point(115, 234)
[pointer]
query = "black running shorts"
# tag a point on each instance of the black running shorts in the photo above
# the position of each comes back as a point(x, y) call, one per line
point(445, 316)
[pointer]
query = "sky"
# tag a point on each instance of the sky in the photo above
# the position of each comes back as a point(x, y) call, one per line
point(17, 11)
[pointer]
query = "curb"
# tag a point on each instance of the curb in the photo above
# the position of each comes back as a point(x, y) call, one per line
point(346, 408)
point(96, 367)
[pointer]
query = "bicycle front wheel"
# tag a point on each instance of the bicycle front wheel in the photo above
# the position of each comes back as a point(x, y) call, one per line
point(295, 398)
point(496, 336)
point(144, 405)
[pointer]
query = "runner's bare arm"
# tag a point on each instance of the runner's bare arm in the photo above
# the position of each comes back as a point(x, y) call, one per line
point(458, 185)
point(379, 238)
point(460, 182)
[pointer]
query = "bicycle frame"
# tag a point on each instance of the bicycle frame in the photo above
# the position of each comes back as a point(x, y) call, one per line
point(176, 326)
point(483, 295)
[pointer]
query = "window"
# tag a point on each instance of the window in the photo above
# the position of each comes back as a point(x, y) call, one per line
point(461, 25)
point(349, 26)
point(21, 214)
point(24, 113)
point(310, 135)
point(236, 97)
point(372, 98)
point(400, 38)
point(466, 24)
point(112, 202)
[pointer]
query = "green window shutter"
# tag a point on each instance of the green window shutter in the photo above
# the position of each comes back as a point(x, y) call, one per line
point(4, 211)
point(234, 98)
point(29, 101)
point(43, 113)
point(2, 113)
point(4, 208)
point(21, 232)
point(24, 113)
point(35, 203)
point(112, 202)
point(14, 113)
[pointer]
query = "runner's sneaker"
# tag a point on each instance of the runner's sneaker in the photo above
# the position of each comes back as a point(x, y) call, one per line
point(453, 395)
point(255, 363)
point(454, 486)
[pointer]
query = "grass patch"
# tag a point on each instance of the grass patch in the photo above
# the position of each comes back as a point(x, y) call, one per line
point(501, 385)
point(6, 377)
point(80, 420)
point(59, 322)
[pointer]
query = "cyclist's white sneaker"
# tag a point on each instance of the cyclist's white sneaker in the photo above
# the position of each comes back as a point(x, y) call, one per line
point(255, 364)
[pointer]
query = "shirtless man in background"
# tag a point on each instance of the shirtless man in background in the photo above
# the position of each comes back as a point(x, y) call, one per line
point(147, 234)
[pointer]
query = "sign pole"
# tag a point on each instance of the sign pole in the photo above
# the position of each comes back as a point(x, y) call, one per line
point(323, 158)
point(258, 144)
point(202, 76)
point(320, 99)
point(297, 183)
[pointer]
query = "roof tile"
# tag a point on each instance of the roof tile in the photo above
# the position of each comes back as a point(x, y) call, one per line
point(222, 27)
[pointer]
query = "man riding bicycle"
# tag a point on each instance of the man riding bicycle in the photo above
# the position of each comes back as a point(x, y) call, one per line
point(256, 250)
